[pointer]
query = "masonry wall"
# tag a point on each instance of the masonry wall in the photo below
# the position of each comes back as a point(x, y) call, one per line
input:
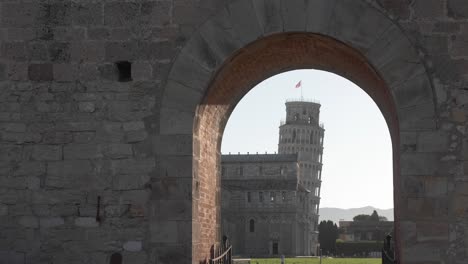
point(71, 132)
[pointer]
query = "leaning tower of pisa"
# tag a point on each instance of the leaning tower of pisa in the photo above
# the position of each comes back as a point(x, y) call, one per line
point(302, 133)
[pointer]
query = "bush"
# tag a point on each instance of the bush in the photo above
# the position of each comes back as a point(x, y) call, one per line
point(361, 248)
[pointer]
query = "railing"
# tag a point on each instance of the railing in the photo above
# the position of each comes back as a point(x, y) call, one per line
point(221, 254)
point(388, 254)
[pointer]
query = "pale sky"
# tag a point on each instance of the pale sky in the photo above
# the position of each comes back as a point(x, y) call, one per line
point(357, 158)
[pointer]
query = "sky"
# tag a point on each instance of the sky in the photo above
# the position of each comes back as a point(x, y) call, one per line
point(357, 158)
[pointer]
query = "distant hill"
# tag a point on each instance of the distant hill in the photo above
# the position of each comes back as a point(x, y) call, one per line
point(337, 214)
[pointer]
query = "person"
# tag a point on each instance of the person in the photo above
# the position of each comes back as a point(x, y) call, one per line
point(282, 259)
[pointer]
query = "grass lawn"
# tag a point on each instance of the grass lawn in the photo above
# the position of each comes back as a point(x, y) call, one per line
point(317, 261)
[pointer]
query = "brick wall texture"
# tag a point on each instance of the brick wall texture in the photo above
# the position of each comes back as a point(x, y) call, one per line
point(94, 163)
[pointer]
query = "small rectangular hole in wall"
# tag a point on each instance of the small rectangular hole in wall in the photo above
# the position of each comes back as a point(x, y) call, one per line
point(125, 71)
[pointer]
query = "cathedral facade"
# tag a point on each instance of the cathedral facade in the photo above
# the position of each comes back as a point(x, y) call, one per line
point(270, 202)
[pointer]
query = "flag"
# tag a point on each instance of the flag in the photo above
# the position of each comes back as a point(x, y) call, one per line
point(298, 84)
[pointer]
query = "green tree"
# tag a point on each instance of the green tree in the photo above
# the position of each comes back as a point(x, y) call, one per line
point(374, 216)
point(361, 217)
point(328, 233)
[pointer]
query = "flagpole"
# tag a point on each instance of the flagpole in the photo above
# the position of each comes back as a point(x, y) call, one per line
point(302, 98)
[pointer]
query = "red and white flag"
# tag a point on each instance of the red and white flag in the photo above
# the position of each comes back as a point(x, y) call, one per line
point(298, 85)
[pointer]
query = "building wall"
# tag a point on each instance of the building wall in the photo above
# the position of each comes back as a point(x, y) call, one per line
point(275, 220)
point(72, 132)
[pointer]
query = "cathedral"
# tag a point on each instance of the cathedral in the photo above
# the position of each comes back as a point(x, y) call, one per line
point(270, 202)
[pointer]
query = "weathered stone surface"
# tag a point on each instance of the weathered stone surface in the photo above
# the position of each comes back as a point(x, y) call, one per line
point(244, 21)
point(457, 9)
point(70, 131)
point(269, 15)
point(86, 222)
point(50, 222)
point(164, 232)
point(133, 246)
point(41, 72)
point(29, 221)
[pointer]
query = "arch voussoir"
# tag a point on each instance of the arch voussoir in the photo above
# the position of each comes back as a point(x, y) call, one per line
point(269, 15)
point(294, 15)
point(244, 21)
point(190, 73)
point(358, 31)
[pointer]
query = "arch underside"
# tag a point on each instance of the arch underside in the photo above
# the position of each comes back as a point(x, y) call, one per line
point(250, 41)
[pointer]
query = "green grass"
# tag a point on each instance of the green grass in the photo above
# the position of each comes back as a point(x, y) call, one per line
point(317, 261)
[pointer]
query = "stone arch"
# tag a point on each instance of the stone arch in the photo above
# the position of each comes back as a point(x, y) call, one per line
point(249, 41)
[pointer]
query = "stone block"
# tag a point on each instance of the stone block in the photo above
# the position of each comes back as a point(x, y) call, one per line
point(41, 72)
point(413, 92)
point(176, 121)
point(361, 30)
point(135, 257)
point(157, 13)
point(400, 62)
point(37, 51)
point(87, 14)
point(120, 14)
point(133, 126)
point(60, 52)
point(459, 45)
point(21, 14)
point(86, 222)
point(118, 151)
point(68, 173)
point(135, 136)
point(87, 51)
point(188, 72)
point(130, 181)
point(432, 231)
point(12, 257)
point(219, 36)
point(161, 210)
point(142, 71)
point(54, 137)
point(18, 72)
point(419, 163)
point(82, 151)
point(3, 209)
point(294, 15)
point(174, 166)
point(244, 21)
point(50, 222)
point(269, 15)
point(319, 14)
point(419, 117)
point(457, 9)
point(134, 197)
point(133, 246)
point(87, 107)
point(65, 72)
point(164, 232)
point(28, 221)
point(201, 52)
point(429, 9)
point(433, 141)
point(173, 144)
point(172, 254)
point(171, 188)
point(181, 97)
point(120, 51)
point(46, 152)
point(132, 166)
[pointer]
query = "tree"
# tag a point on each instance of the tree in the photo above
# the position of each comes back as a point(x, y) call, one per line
point(361, 217)
point(374, 216)
point(328, 233)
point(383, 219)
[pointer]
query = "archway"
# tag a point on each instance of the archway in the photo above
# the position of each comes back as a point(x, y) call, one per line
point(216, 69)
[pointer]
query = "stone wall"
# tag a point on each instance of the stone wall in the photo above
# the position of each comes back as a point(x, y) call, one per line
point(72, 132)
